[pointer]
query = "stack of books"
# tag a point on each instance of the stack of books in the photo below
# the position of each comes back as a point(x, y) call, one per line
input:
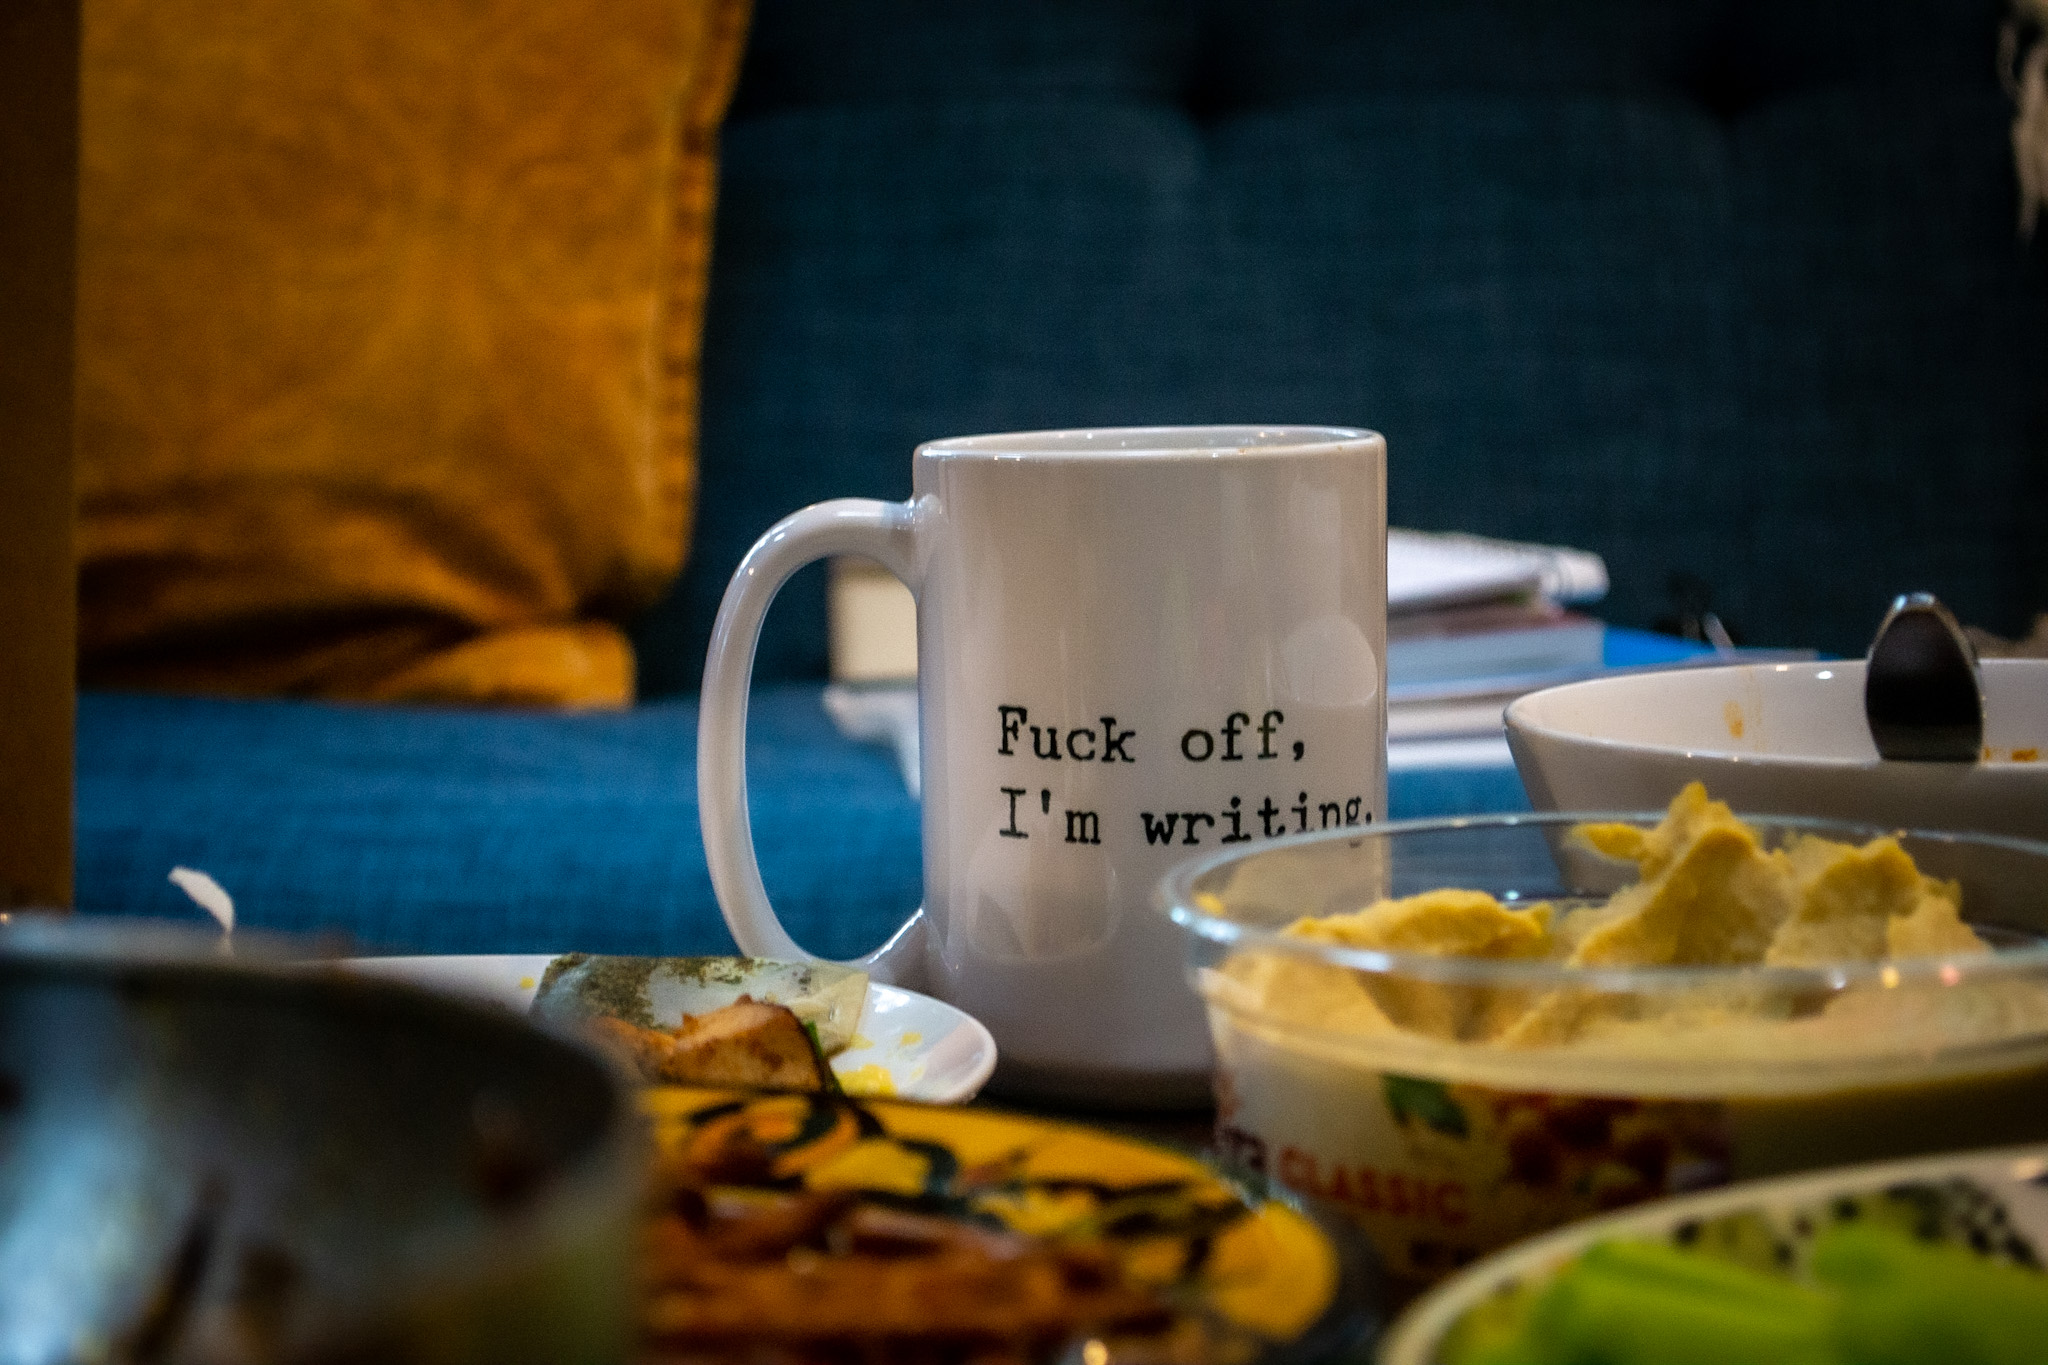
point(1462, 607)
point(1473, 623)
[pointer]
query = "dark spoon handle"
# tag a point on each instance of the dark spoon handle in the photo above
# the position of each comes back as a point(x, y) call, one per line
point(1920, 692)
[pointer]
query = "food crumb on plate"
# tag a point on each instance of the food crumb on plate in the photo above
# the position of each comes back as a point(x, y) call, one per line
point(871, 1080)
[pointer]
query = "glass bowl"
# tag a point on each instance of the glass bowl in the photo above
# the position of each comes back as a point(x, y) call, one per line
point(1444, 1147)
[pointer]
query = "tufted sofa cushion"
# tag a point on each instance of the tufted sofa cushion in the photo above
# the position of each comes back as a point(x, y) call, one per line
point(1727, 290)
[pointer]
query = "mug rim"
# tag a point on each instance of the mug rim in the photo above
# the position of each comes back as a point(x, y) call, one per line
point(1200, 442)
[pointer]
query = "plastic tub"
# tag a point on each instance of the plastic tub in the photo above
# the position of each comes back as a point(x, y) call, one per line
point(1444, 1148)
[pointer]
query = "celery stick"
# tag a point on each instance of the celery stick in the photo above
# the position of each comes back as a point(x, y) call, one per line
point(1655, 1309)
point(1662, 1264)
point(1905, 1303)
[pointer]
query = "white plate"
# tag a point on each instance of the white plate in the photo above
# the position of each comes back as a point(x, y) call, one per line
point(2008, 1187)
point(926, 1049)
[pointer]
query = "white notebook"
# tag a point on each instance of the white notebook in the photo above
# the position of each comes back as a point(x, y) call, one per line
point(1438, 568)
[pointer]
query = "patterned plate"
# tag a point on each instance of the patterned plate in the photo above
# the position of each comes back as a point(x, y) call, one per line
point(1250, 1277)
point(1993, 1203)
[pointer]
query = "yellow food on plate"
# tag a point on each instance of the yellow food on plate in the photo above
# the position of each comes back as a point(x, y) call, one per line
point(871, 1080)
point(802, 1228)
point(1709, 894)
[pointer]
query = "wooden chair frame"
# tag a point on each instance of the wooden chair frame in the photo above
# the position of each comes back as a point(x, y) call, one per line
point(39, 75)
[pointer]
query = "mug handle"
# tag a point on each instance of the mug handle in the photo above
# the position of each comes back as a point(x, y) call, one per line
point(885, 532)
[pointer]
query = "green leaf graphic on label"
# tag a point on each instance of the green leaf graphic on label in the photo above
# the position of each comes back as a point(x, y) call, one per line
point(1411, 1098)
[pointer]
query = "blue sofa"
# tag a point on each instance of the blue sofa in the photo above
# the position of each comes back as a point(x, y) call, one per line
point(1728, 292)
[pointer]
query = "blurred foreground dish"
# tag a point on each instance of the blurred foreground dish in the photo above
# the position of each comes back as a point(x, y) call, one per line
point(1902, 1264)
point(204, 1159)
point(814, 1228)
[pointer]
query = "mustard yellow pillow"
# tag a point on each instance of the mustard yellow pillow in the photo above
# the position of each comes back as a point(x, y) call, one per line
point(389, 320)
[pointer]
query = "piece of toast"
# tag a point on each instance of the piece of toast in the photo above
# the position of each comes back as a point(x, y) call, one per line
point(659, 992)
point(748, 1043)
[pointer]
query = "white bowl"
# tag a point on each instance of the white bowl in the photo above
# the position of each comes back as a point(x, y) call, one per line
point(1780, 739)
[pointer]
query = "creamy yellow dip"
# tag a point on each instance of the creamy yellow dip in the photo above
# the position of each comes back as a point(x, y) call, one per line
point(1709, 895)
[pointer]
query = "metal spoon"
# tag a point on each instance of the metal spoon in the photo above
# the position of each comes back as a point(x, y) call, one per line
point(1921, 697)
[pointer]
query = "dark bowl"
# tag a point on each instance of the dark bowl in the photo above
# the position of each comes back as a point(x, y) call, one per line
point(208, 1159)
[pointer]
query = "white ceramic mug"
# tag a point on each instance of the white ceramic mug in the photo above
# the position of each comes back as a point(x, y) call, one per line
point(1133, 645)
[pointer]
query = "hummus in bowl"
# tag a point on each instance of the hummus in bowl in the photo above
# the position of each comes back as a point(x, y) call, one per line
point(1469, 1031)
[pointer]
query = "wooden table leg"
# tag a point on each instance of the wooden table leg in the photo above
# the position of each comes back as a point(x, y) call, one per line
point(39, 46)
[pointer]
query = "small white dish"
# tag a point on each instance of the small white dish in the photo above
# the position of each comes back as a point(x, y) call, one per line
point(1780, 739)
point(1959, 1194)
point(907, 1046)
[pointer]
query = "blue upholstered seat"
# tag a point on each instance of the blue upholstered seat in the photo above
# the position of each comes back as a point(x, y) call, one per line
point(449, 830)
point(416, 829)
point(471, 831)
